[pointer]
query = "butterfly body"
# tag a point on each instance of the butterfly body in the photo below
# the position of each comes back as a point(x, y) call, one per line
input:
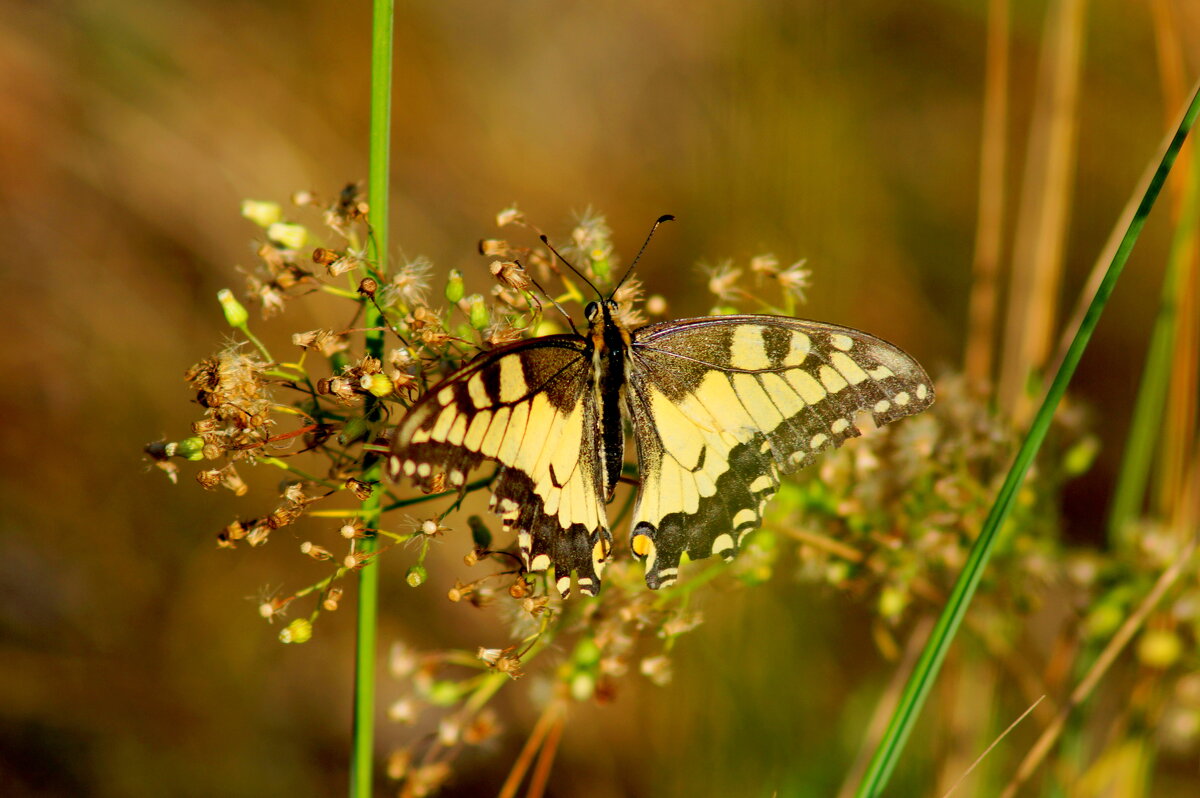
point(720, 407)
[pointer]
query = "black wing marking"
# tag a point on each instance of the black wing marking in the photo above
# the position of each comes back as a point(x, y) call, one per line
point(723, 405)
point(528, 406)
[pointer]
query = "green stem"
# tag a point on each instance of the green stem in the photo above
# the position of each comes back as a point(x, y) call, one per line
point(245, 330)
point(361, 766)
point(1147, 421)
point(925, 673)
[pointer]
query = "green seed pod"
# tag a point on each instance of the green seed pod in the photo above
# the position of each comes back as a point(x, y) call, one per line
point(191, 448)
point(455, 290)
point(298, 631)
point(480, 317)
point(353, 430)
point(415, 576)
point(235, 312)
point(263, 214)
point(481, 536)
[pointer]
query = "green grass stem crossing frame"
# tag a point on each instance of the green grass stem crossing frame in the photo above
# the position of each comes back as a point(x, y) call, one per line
point(925, 672)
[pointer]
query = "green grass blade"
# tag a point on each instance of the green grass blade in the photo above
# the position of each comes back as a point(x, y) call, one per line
point(1130, 490)
point(362, 760)
point(926, 671)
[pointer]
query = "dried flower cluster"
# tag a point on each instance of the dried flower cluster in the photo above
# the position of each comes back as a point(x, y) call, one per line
point(888, 518)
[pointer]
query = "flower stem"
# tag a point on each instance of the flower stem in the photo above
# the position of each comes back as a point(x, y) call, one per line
point(361, 765)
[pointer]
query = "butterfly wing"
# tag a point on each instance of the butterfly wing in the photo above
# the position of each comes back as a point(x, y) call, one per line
point(723, 405)
point(528, 406)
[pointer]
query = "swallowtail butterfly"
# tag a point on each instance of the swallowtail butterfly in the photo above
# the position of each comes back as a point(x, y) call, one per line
point(720, 407)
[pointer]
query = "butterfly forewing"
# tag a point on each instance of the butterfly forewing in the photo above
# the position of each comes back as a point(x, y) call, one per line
point(722, 406)
point(530, 407)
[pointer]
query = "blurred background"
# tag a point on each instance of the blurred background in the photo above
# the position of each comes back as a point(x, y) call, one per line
point(132, 658)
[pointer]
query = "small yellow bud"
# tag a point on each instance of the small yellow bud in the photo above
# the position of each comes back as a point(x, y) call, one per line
point(235, 312)
point(480, 317)
point(263, 214)
point(415, 576)
point(378, 385)
point(1159, 648)
point(455, 290)
point(892, 602)
point(298, 631)
point(287, 234)
point(583, 686)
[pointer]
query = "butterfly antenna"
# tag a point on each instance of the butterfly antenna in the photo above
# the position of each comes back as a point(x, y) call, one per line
point(549, 298)
point(582, 276)
point(666, 217)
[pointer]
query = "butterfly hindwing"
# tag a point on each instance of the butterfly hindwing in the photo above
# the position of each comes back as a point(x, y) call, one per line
point(530, 407)
point(723, 405)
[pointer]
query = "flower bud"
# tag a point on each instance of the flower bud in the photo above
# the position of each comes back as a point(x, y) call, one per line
point(235, 313)
point(454, 287)
point(583, 686)
point(601, 264)
point(263, 214)
point(1159, 648)
point(315, 551)
point(298, 631)
point(415, 576)
point(587, 653)
point(190, 448)
point(377, 385)
point(444, 693)
point(287, 234)
point(480, 317)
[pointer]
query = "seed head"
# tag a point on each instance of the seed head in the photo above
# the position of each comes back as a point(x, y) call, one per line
point(330, 602)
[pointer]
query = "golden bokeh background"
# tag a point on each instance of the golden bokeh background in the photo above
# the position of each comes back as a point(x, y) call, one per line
point(132, 659)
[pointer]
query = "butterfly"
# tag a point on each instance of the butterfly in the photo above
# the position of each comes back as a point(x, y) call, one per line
point(720, 407)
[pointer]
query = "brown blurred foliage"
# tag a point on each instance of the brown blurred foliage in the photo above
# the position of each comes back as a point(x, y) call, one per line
point(132, 660)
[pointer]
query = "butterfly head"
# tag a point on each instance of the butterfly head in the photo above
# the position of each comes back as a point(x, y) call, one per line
point(604, 330)
point(600, 312)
